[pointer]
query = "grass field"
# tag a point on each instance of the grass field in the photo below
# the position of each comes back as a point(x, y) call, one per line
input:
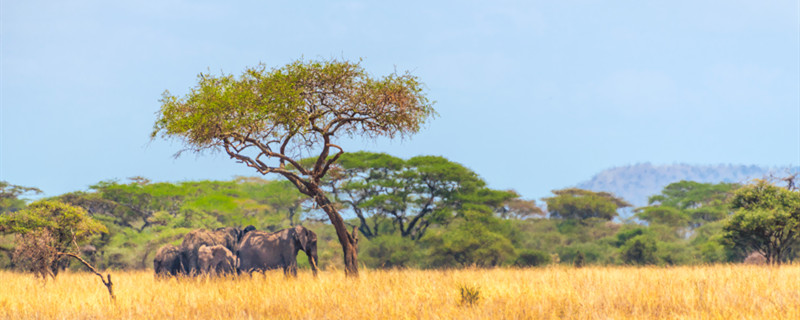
point(705, 292)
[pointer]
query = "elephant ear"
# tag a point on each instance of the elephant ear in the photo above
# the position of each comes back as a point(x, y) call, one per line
point(301, 236)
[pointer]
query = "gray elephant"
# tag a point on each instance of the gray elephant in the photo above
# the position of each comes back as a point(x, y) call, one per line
point(259, 250)
point(215, 260)
point(168, 261)
point(227, 237)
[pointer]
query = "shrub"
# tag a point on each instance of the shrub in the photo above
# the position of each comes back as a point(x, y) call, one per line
point(469, 294)
point(639, 250)
point(532, 258)
point(389, 251)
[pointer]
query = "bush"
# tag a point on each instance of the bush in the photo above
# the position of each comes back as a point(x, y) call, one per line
point(593, 253)
point(532, 258)
point(467, 245)
point(639, 250)
point(389, 251)
point(469, 294)
point(580, 260)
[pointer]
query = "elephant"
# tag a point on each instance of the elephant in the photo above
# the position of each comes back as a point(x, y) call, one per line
point(168, 261)
point(215, 260)
point(259, 250)
point(227, 237)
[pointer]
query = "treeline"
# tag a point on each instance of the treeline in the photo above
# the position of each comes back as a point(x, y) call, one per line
point(429, 212)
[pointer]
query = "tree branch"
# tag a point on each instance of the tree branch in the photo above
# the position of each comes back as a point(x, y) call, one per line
point(109, 285)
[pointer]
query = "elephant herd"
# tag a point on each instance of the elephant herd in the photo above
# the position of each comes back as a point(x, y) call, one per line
point(232, 250)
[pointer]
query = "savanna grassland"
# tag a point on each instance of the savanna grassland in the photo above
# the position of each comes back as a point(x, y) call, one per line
point(703, 292)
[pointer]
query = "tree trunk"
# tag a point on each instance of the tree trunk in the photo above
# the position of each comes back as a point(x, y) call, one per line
point(348, 241)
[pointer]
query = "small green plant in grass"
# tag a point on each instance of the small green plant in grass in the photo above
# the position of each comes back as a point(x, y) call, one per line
point(469, 294)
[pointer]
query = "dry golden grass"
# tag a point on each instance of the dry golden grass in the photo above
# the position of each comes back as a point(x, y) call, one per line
point(706, 292)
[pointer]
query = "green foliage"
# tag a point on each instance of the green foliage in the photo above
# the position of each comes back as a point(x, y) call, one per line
point(390, 251)
point(710, 243)
point(675, 253)
point(688, 204)
point(68, 223)
point(538, 234)
point(468, 244)
point(691, 194)
point(285, 101)
point(470, 295)
point(665, 215)
point(626, 234)
point(10, 200)
point(767, 220)
point(766, 196)
point(457, 220)
point(593, 252)
point(45, 231)
point(413, 194)
point(639, 250)
point(685, 220)
point(532, 258)
point(583, 204)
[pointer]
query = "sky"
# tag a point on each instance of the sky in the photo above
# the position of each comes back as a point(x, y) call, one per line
point(531, 95)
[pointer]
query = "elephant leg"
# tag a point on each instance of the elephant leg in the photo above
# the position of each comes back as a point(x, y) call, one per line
point(290, 270)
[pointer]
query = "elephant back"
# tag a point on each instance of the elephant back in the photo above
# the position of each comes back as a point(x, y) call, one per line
point(196, 238)
point(193, 240)
point(260, 250)
point(230, 236)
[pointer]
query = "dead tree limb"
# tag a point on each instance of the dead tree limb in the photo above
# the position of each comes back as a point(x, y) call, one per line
point(109, 285)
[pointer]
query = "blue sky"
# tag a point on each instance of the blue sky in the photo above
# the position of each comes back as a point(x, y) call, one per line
point(532, 95)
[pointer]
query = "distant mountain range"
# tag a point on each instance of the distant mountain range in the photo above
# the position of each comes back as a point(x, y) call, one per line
point(635, 183)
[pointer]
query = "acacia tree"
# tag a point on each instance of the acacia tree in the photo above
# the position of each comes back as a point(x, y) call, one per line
point(582, 204)
point(386, 192)
point(269, 119)
point(48, 233)
point(767, 220)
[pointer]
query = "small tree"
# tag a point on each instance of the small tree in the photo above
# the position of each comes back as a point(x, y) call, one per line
point(46, 230)
point(271, 119)
point(48, 233)
point(11, 200)
point(767, 220)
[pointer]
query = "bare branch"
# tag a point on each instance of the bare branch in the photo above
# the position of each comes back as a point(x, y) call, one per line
point(109, 285)
point(331, 160)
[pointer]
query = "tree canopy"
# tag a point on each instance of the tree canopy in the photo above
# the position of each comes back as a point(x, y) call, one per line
point(280, 113)
point(45, 231)
point(390, 194)
point(767, 220)
point(10, 196)
point(582, 204)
